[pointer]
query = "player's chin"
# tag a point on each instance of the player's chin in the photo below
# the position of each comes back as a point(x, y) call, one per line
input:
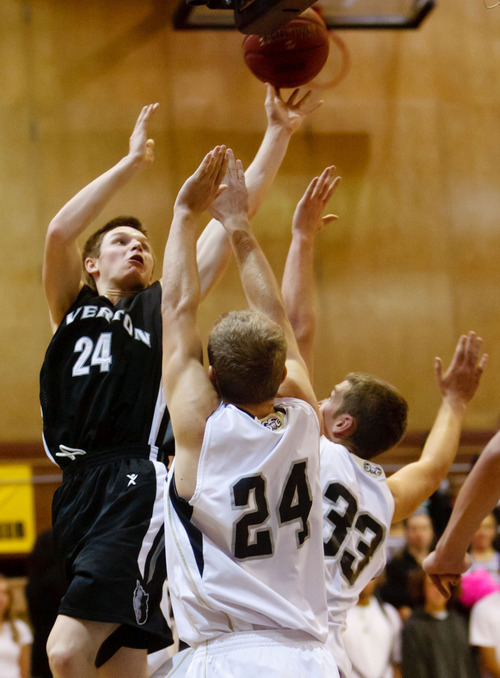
point(137, 279)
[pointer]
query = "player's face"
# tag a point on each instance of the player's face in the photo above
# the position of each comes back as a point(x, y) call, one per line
point(331, 406)
point(126, 258)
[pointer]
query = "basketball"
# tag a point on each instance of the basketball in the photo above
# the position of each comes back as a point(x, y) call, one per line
point(291, 56)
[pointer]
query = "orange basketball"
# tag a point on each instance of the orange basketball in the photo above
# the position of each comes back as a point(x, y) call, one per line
point(291, 56)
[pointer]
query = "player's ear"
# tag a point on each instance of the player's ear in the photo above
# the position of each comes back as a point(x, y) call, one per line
point(343, 426)
point(91, 266)
point(285, 372)
point(213, 378)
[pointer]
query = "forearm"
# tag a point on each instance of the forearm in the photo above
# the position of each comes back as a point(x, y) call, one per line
point(297, 288)
point(257, 278)
point(477, 497)
point(212, 253)
point(88, 203)
point(180, 279)
point(442, 443)
point(262, 171)
point(214, 248)
point(414, 483)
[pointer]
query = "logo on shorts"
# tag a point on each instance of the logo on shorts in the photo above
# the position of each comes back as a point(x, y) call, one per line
point(140, 604)
point(372, 468)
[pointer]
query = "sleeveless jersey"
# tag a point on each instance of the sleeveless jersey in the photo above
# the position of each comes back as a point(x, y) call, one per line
point(357, 512)
point(100, 383)
point(246, 552)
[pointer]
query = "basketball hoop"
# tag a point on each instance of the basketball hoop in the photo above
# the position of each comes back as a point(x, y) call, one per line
point(345, 63)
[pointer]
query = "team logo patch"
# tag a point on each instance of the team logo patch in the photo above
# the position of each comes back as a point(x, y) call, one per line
point(140, 604)
point(372, 468)
point(274, 423)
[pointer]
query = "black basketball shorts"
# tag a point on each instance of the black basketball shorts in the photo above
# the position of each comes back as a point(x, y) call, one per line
point(108, 535)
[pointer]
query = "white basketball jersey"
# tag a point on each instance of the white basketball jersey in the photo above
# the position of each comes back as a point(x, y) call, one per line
point(357, 513)
point(246, 552)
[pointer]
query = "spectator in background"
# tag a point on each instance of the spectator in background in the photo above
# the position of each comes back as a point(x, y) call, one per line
point(372, 638)
point(434, 640)
point(15, 638)
point(44, 591)
point(482, 551)
point(484, 633)
point(419, 535)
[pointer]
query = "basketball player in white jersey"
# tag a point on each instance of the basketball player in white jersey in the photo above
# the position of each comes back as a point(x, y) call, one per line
point(243, 517)
point(104, 411)
point(363, 417)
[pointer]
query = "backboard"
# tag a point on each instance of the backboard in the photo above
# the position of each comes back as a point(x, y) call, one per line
point(337, 14)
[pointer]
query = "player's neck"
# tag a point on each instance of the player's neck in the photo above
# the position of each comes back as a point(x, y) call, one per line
point(260, 411)
point(114, 294)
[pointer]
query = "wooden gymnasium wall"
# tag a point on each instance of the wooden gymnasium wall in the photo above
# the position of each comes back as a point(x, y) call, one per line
point(413, 129)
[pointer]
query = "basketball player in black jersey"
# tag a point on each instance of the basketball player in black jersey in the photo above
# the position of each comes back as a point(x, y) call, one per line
point(104, 414)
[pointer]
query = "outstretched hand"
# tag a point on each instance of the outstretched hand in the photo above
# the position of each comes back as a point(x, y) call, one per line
point(308, 217)
point(289, 114)
point(233, 202)
point(461, 379)
point(141, 149)
point(202, 187)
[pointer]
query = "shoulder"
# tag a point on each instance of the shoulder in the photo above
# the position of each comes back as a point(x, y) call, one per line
point(331, 450)
point(301, 409)
point(295, 404)
point(369, 468)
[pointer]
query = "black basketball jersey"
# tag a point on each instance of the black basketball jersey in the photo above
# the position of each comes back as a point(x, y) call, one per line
point(100, 383)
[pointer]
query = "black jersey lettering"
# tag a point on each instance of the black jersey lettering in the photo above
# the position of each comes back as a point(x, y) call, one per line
point(345, 519)
point(295, 505)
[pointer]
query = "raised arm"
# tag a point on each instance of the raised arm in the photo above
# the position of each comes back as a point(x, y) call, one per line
point(297, 285)
point(284, 118)
point(258, 280)
point(189, 393)
point(415, 482)
point(478, 496)
point(62, 266)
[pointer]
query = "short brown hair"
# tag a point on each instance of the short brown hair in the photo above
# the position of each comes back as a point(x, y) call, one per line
point(380, 412)
point(247, 351)
point(92, 247)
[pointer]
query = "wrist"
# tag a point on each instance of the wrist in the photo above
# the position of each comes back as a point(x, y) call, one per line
point(186, 213)
point(237, 222)
point(455, 403)
point(132, 164)
point(304, 237)
point(278, 131)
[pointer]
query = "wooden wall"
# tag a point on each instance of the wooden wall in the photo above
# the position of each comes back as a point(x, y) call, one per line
point(414, 130)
